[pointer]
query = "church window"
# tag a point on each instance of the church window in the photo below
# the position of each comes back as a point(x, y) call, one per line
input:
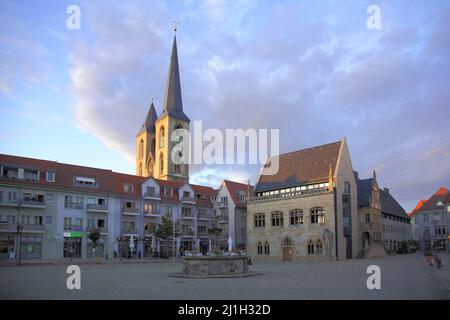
point(141, 148)
point(162, 135)
point(161, 164)
point(317, 215)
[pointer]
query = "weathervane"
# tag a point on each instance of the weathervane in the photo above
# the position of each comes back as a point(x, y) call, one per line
point(175, 25)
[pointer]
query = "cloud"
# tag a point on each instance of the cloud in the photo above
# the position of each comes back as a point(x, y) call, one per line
point(248, 65)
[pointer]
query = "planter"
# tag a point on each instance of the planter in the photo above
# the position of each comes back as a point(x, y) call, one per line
point(429, 259)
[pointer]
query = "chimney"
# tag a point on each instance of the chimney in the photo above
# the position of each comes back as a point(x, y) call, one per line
point(386, 190)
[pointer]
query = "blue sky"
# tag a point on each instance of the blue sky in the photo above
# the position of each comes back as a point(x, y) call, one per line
point(309, 68)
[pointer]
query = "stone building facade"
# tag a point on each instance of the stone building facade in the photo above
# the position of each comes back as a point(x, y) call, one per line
point(308, 209)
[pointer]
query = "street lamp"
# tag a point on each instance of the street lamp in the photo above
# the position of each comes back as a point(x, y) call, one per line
point(435, 233)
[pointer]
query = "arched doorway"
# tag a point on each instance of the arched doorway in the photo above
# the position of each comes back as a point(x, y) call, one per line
point(287, 249)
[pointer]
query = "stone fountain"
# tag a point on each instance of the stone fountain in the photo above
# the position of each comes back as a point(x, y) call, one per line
point(217, 264)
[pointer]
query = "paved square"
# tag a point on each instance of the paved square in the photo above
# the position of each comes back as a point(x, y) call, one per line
point(402, 277)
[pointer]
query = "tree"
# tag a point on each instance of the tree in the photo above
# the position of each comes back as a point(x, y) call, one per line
point(94, 236)
point(166, 231)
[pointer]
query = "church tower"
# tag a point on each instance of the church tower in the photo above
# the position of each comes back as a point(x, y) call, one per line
point(171, 118)
point(145, 145)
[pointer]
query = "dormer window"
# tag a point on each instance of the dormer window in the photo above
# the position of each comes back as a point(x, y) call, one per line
point(128, 187)
point(200, 196)
point(85, 182)
point(241, 197)
point(50, 176)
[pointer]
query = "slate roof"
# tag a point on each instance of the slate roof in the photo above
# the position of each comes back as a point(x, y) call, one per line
point(301, 167)
point(173, 104)
point(150, 120)
point(387, 201)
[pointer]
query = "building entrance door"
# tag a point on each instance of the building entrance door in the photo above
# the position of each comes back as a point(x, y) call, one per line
point(72, 247)
point(287, 253)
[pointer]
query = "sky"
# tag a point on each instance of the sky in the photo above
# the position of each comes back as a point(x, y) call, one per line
point(311, 69)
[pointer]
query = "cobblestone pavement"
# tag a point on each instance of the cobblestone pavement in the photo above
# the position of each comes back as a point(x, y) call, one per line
point(402, 277)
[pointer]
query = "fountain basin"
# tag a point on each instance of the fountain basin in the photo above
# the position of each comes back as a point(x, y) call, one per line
point(214, 267)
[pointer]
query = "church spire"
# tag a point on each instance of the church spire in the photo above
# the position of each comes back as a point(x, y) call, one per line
point(173, 104)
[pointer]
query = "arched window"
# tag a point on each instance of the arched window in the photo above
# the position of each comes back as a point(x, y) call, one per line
point(296, 216)
point(319, 248)
point(260, 248)
point(317, 215)
point(140, 169)
point(260, 220)
point(161, 163)
point(346, 187)
point(141, 148)
point(266, 248)
point(153, 144)
point(287, 242)
point(310, 247)
point(277, 219)
point(162, 137)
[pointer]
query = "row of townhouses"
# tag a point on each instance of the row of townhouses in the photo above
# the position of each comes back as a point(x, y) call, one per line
point(47, 210)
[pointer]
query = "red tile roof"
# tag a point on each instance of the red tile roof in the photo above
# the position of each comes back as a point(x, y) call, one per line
point(432, 203)
point(234, 188)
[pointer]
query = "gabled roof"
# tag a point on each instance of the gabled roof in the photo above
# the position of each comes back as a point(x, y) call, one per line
point(173, 104)
point(301, 167)
point(208, 192)
point(234, 188)
point(390, 205)
point(121, 178)
point(432, 203)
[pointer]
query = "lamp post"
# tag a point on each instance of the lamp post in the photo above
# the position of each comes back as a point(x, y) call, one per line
point(19, 227)
point(435, 235)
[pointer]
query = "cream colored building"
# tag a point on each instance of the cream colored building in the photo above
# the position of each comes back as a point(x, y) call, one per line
point(308, 209)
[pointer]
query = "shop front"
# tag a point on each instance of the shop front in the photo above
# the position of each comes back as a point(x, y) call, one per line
point(72, 244)
point(128, 247)
point(30, 247)
point(7, 247)
point(97, 251)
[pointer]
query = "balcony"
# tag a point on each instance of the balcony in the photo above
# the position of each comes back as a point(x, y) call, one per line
point(152, 195)
point(203, 234)
point(30, 228)
point(203, 217)
point(93, 207)
point(154, 213)
point(9, 203)
point(220, 204)
point(33, 203)
point(73, 228)
point(130, 211)
point(187, 233)
point(190, 200)
point(103, 230)
point(130, 231)
point(187, 216)
point(222, 219)
point(74, 205)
